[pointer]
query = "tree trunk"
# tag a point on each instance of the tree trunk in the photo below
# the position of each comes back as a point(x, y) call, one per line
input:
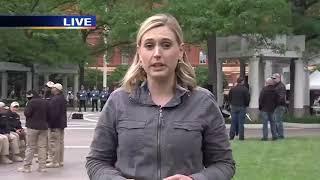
point(292, 76)
point(81, 73)
point(212, 64)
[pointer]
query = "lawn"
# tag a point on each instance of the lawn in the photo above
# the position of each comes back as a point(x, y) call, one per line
point(289, 159)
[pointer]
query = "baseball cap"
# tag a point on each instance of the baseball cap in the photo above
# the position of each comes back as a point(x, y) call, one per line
point(50, 84)
point(29, 94)
point(14, 103)
point(275, 76)
point(269, 81)
point(2, 104)
point(240, 79)
point(58, 86)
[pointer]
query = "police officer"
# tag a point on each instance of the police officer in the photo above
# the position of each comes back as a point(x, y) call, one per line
point(82, 96)
point(94, 94)
point(104, 95)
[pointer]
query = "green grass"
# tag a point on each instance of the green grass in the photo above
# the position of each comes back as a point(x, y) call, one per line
point(305, 119)
point(289, 159)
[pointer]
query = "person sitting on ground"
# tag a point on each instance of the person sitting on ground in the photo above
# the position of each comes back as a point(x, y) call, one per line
point(4, 141)
point(15, 126)
point(12, 137)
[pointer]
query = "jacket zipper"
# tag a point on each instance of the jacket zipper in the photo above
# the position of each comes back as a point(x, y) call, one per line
point(158, 143)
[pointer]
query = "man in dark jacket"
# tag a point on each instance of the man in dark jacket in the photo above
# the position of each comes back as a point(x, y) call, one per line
point(268, 100)
point(94, 94)
point(104, 95)
point(57, 123)
point(239, 99)
point(82, 97)
point(37, 131)
point(280, 110)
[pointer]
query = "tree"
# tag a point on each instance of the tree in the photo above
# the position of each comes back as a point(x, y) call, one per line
point(93, 77)
point(305, 20)
point(202, 20)
point(54, 46)
point(39, 46)
point(117, 75)
point(202, 77)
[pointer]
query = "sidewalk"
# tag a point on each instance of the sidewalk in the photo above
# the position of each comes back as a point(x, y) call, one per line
point(74, 169)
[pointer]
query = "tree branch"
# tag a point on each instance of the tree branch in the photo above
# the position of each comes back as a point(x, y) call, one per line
point(313, 36)
point(60, 4)
point(308, 5)
point(34, 6)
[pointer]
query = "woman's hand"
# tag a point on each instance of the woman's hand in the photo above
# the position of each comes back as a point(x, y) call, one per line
point(178, 177)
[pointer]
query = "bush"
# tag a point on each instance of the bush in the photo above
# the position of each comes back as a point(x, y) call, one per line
point(117, 75)
point(305, 119)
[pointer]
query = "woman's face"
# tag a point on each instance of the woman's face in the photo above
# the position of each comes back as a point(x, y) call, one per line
point(159, 52)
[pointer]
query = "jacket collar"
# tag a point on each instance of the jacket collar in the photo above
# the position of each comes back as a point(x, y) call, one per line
point(142, 95)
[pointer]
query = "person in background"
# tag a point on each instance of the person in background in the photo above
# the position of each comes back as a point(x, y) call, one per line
point(104, 95)
point(239, 98)
point(47, 96)
point(70, 98)
point(47, 90)
point(89, 99)
point(280, 110)
point(15, 126)
point(13, 138)
point(37, 132)
point(82, 96)
point(4, 137)
point(159, 124)
point(94, 94)
point(57, 123)
point(268, 101)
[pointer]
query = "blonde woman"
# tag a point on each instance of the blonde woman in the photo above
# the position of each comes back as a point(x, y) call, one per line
point(159, 124)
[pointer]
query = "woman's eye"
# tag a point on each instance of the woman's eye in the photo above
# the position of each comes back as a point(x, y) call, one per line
point(166, 45)
point(148, 46)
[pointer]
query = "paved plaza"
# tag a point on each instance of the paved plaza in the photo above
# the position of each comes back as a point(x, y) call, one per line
point(78, 136)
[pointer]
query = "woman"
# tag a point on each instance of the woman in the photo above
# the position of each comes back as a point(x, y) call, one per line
point(159, 125)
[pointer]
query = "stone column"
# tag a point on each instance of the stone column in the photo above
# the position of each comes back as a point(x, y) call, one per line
point(75, 84)
point(65, 84)
point(36, 82)
point(219, 83)
point(307, 93)
point(267, 69)
point(254, 73)
point(4, 85)
point(29, 81)
point(261, 78)
point(299, 88)
point(46, 78)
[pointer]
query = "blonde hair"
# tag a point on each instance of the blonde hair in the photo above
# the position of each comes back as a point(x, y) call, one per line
point(185, 74)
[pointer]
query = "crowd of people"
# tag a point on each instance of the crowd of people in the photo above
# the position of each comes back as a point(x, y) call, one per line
point(272, 107)
point(93, 96)
point(46, 119)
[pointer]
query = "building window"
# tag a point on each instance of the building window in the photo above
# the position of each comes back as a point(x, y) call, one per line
point(124, 57)
point(202, 58)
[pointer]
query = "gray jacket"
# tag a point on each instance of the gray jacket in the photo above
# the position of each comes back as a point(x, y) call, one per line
point(136, 139)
